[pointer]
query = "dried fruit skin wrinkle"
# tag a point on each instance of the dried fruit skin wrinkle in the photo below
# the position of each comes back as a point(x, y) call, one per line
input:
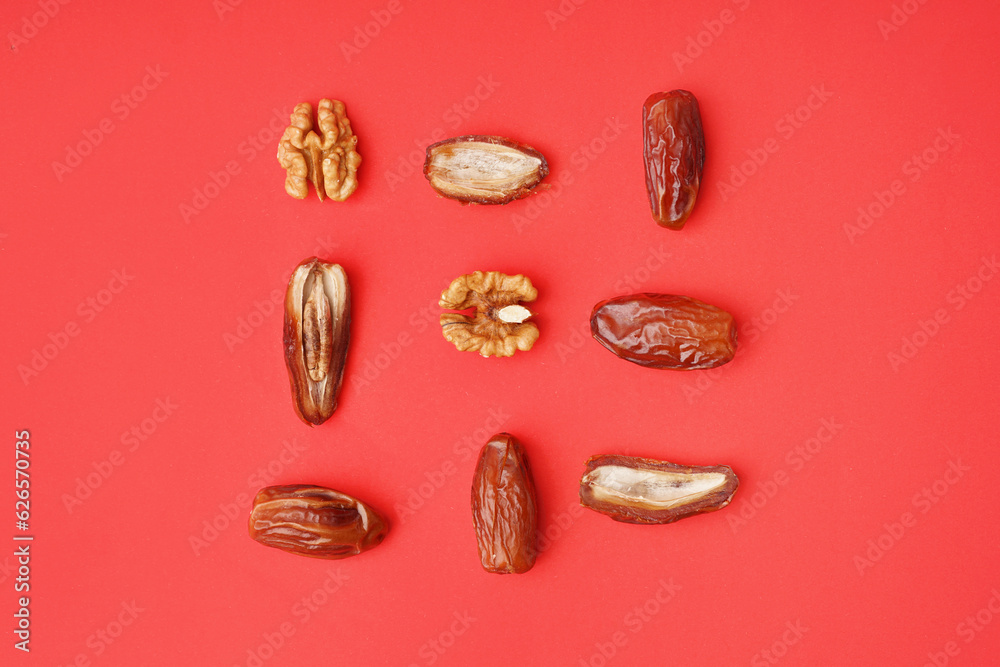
point(328, 160)
point(637, 490)
point(316, 337)
point(314, 521)
point(674, 155)
point(479, 169)
point(504, 509)
point(665, 331)
point(499, 325)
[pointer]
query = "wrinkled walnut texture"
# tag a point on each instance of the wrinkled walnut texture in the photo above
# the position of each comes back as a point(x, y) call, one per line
point(504, 509)
point(674, 153)
point(330, 162)
point(316, 336)
point(665, 331)
point(498, 327)
point(478, 169)
point(637, 490)
point(314, 521)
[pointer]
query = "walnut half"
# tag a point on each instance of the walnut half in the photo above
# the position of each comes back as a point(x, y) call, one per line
point(498, 327)
point(329, 162)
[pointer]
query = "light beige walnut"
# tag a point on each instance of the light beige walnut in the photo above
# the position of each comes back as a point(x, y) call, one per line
point(498, 327)
point(327, 160)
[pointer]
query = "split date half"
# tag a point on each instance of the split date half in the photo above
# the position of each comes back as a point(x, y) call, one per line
point(315, 337)
point(637, 490)
point(479, 169)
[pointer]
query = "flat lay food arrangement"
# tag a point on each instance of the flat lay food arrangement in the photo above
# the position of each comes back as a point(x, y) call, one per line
point(449, 334)
point(652, 330)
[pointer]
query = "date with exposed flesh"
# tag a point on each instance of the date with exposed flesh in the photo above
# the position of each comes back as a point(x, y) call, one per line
point(637, 490)
point(315, 338)
point(479, 169)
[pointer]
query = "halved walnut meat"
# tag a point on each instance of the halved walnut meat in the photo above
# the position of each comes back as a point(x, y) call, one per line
point(498, 327)
point(328, 160)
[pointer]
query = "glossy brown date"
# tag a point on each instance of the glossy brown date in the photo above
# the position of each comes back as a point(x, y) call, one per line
point(673, 149)
point(665, 331)
point(314, 521)
point(637, 490)
point(504, 509)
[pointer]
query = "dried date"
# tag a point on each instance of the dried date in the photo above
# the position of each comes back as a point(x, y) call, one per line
point(665, 331)
point(314, 521)
point(316, 336)
point(637, 490)
point(674, 153)
point(477, 169)
point(504, 510)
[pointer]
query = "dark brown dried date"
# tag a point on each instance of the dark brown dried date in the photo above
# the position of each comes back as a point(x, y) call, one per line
point(636, 490)
point(665, 331)
point(674, 151)
point(478, 169)
point(504, 510)
point(314, 521)
point(316, 336)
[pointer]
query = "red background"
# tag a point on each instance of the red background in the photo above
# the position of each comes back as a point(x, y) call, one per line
point(865, 547)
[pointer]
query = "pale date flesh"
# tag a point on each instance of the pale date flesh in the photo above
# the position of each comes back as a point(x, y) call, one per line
point(479, 169)
point(316, 336)
point(637, 490)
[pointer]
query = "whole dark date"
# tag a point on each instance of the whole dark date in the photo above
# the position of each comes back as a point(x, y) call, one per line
point(665, 331)
point(673, 148)
point(314, 521)
point(504, 509)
